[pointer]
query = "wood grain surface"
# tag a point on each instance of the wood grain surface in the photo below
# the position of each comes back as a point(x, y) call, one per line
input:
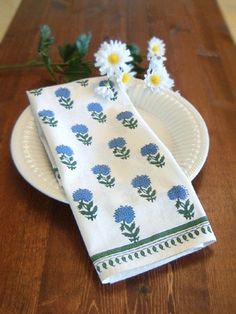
point(44, 267)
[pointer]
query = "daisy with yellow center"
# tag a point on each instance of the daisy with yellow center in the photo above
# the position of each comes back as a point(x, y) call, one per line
point(158, 79)
point(125, 77)
point(156, 48)
point(112, 57)
point(155, 79)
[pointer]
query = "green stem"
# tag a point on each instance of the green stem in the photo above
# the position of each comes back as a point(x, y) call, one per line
point(131, 234)
point(29, 64)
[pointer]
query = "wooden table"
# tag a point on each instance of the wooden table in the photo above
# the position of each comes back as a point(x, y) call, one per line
point(44, 264)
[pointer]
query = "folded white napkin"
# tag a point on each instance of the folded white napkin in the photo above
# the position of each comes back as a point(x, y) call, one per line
point(134, 206)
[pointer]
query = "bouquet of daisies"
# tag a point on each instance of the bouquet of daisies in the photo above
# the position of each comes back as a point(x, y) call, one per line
point(115, 61)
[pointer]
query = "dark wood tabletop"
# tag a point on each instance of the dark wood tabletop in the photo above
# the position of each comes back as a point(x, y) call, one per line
point(44, 266)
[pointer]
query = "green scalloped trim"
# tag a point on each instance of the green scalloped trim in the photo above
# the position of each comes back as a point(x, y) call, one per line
point(154, 237)
point(105, 262)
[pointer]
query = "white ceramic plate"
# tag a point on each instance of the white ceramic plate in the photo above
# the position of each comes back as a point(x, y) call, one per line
point(177, 123)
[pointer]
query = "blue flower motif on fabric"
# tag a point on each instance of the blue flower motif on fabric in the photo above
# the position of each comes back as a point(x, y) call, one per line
point(97, 112)
point(149, 149)
point(79, 128)
point(125, 216)
point(66, 156)
point(63, 149)
point(62, 92)
point(101, 169)
point(84, 198)
point(81, 133)
point(127, 119)
point(143, 185)
point(106, 83)
point(48, 117)
point(151, 152)
point(103, 175)
point(141, 182)
point(83, 83)
point(82, 195)
point(107, 90)
point(124, 115)
point(124, 213)
point(95, 107)
point(180, 194)
point(119, 148)
point(64, 99)
point(117, 142)
point(36, 92)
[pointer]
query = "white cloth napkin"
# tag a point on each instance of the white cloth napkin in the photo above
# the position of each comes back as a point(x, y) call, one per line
point(134, 206)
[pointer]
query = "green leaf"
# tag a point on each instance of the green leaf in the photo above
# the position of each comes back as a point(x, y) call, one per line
point(117, 260)
point(126, 234)
point(84, 212)
point(111, 262)
point(138, 69)
point(153, 193)
point(179, 240)
point(130, 257)
point(185, 237)
point(154, 249)
point(162, 159)
point(137, 59)
point(112, 180)
point(83, 42)
point(178, 204)
point(142, 253)
point(187, 204)
point(167, 244)
point(89, 205)
point(68, 51)
point(135, 53)
point(173, 242)
point(191, 208)
point(136, 232)
point(149, 189)
point(77, 70)
point(134, 49)
point(92, 212)
point(46, 39)
point(104, 265)
point(209, 229)
point(190, 235)
point(132, 226)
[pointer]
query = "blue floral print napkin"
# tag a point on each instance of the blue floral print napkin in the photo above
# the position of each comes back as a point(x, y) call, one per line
point(134, 206)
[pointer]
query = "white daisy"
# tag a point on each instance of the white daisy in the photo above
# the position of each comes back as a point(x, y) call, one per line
point(158, 79)
point(125, 77)
point(156, 48)
point(156, 61)
point(111, 57)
